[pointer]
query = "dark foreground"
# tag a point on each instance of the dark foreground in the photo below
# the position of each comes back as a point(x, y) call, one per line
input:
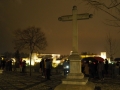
point(21, 81)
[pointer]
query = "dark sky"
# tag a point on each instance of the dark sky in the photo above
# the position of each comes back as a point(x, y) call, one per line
point(16, 14)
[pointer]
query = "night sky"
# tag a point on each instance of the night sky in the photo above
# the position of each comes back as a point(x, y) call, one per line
point(15, 14)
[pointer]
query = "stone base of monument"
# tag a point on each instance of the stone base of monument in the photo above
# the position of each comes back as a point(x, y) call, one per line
point(87, 86)
point(75, 80)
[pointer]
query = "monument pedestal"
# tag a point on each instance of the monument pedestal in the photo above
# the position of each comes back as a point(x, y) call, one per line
point(75, 79)
point(88, 86)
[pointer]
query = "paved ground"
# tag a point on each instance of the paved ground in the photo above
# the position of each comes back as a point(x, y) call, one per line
point(20, 81)
point(108, 84)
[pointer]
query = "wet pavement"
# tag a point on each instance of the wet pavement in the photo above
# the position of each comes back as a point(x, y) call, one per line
point(21, 81)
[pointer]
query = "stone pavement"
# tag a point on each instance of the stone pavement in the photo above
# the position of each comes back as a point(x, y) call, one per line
point(20, 81)
point(107, 84)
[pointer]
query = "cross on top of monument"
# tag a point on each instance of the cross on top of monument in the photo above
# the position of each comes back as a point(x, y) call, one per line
point(74, 7)
point(79, 16)
point(74, 17)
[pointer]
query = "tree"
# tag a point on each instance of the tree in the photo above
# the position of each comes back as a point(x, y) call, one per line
point(111, 7)
point(31, 39)
point(111, 47)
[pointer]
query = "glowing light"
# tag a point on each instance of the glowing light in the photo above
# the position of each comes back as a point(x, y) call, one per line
point(103, 55)
point(67, 66)
point(58, 61)
point(2, 58)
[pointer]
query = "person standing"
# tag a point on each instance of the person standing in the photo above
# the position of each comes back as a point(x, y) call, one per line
point(92, 70)
point(116, 69)
point(23, 66)
point(106, 66)
point(86, 70)
point(101, 70)
point(113, 69)
point(42, 68)
point(10, 65)
point(48, 68)
point(51, 66)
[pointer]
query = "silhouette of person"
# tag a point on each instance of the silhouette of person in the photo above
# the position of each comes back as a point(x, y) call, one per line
point(48, 68)
point(42, 68)
point(101, 70)
point(106, 66)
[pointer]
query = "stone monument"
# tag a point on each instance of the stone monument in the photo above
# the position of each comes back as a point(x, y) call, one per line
point(75, 80)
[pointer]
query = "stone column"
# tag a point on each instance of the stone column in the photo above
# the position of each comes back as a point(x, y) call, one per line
point(75, 30)
point(75, 62)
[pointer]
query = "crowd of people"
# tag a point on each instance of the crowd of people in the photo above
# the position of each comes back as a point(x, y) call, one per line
point(6, 64)
point(45, 68)
point(99, 69)
point(91, 69)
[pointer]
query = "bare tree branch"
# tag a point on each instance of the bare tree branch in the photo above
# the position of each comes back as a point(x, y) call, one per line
point(114, 5)
point(111, 47)
point(113, 23)
point(96, 3)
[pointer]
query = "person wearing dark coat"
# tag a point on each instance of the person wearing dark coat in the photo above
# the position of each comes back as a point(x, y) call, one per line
point(100, 70)
point(42, 68)
point(10, 65)
point(92, 70)
point(48, 68)
point(23, 66)
point(106, 66)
